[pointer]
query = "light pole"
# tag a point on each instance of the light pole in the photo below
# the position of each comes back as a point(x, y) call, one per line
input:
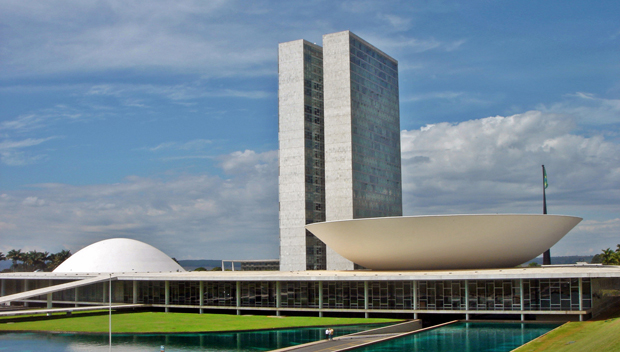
point(110, 312)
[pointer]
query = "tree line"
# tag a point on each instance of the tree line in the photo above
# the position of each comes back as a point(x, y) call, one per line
point(608, 257)
point(34, 260)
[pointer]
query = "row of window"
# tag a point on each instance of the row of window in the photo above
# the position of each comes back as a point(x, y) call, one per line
point(505, 295)
point(372, 83)
point(381, 59)
point(374, 71)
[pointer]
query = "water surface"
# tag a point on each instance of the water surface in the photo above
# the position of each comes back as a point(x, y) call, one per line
point(466, 337)
point(224, 342)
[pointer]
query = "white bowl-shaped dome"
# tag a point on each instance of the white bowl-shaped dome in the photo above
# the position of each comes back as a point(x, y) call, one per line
point(118, 255)
point(443, 241)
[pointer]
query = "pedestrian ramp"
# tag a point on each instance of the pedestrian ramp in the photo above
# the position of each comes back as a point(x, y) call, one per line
point(55, 288)
point(68, 310)
point(364, 338)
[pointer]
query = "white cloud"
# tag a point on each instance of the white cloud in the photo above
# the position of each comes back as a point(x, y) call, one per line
point(40, 119)
point(23, 122)
point(458, 98)
point(29, 142)
point(493, 165)
point(248, 161)
point(590, 237)
point(190, 216)
point(490, 165)
point(398, 22)
point(587, 108)
point(33, 202)
point(175, 93)
point(11, 151)
point(76, 36)
point(398, 45)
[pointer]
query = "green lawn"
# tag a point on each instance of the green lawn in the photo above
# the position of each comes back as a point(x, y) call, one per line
point(599, 336)
point(168, 322)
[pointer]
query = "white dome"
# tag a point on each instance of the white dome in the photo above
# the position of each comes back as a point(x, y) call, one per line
point(118, 255)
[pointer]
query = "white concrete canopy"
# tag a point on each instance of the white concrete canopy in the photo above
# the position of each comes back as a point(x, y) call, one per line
point(443, 241)
point(119, 255)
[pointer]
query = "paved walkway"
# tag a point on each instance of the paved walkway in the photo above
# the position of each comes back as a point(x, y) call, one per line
point(338, 343)
point(347, 342)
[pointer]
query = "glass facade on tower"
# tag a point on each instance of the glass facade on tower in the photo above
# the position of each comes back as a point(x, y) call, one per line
point(314, 147)
point(375, 124)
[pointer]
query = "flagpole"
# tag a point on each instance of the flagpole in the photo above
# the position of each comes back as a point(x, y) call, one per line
point(110, 313)
point(547, 253)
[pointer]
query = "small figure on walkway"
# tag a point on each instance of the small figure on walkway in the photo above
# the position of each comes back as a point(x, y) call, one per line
point(327, 333)
point(331, 334)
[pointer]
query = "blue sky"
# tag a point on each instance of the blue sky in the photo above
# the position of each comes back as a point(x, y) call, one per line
point(158, 120)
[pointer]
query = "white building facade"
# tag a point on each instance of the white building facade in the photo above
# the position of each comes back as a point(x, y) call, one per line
point(339, 135)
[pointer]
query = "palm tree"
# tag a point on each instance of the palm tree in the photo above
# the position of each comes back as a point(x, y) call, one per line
point(15, 255)
point(57, 258)
point(36, 260)
point(2, 256)
point(610, 257)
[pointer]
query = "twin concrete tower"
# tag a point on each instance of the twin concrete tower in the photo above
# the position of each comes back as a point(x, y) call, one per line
point(339, 136)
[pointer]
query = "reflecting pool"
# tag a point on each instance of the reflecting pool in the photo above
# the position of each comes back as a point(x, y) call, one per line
point(466, 337)
point(221, 342)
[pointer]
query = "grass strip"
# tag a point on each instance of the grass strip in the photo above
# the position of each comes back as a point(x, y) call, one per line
point(599, 336)
point(154, 322)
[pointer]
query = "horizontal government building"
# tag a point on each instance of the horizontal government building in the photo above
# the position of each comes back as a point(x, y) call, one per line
point(547, 293)
point(125, 273)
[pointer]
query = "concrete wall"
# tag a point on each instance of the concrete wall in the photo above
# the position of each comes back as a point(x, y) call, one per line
point(291, 156)
point(338, 137)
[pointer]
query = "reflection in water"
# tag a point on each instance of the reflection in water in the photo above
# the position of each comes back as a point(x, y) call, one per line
point(467, 337)
point(234, 341)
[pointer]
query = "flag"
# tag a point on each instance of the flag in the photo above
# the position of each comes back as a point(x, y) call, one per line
point(545, 183)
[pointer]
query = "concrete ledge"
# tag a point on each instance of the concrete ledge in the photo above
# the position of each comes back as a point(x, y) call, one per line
point(67, 310)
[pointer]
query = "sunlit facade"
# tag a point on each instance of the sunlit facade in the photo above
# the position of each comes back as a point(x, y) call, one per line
point(339, 135)
point(302, 154)
point(575, 293)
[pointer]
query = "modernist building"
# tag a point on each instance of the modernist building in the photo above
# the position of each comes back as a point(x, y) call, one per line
point(547, 293)
point(340, 159)
point(339, 135)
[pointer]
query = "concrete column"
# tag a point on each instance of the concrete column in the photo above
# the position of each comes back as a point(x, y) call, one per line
point(467, 300)
point(49, 303)
point(278, 297)
point(2, 287)
point(76, 294)
point(238, 297)
point(167, 295)
point(580, 299)
point(320, 298)
point(366, 299)
point(522, 299)
point(105, 292)
point(201, 297)
point(25, 289)
point(415, 299)
point(134, 294)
